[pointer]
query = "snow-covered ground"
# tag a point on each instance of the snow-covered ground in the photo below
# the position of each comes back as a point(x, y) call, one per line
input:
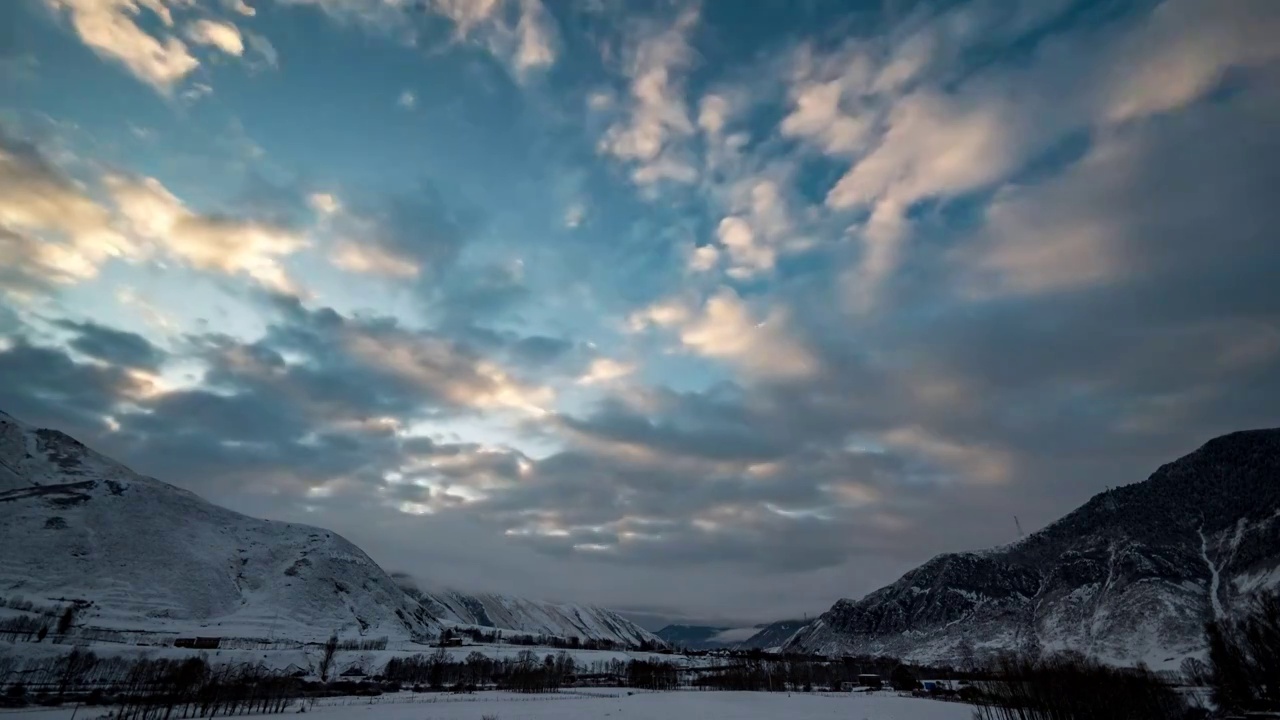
point(617, 705)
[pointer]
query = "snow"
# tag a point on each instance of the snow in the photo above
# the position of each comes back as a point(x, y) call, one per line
point(617, 705)
point(157, 560)
point(1214, 578)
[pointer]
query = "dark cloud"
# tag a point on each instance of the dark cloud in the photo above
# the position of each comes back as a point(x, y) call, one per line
point(46, 387)
point(539, 350)
point(113, 346)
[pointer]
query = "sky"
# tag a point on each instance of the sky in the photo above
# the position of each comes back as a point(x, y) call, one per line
point(718, 310)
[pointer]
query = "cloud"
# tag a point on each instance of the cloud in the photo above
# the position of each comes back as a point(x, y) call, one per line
point(324, 203)
point(405, 236)
point(56, 391)
point(1134, 202)
point(1182, 51)
point(107, 26)
point(522, 34)
point(536, 47)
point(205, 242)
point(656, 121)
point(51, 231)
point(372, 260)
point(115, 347)
point(916, 130)
point(239, 6)
point(725, 328)
point(262, 48)
point(222, 35)
point(407, 100)
point(604, 370)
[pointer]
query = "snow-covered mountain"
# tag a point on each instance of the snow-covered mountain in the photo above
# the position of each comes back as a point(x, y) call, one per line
point(772, 635)
point(535, 617)
point(694, 637)
point(1130, 576)
point(148, 556)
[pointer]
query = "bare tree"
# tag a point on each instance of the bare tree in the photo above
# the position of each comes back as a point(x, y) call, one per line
point(326, 659)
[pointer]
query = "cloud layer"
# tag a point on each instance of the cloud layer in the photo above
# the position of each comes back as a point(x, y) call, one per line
point(647, 306)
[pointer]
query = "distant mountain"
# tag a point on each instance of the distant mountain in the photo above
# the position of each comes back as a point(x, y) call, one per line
point(773, 635)
point(143, 555)
point(693, 637)
point(536, 617)
point(1130, 576)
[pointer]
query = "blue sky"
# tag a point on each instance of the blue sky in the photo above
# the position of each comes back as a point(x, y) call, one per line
point(712, 309)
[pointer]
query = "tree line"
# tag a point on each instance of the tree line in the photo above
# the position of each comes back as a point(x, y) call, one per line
point(150, 689)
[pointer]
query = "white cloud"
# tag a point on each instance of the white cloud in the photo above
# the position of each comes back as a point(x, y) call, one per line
point(916, 129)
point(704, 258)
point(108, 27)
point(263, 48)
point(713, 113)
point(724, 328)
point(536, 47)
point(666, 313)
point(975, 463)
point(817, 116)
point(239, 6)
point(657, 118)
point(603, 370)
point(1182, 51)
point(371, 259)
point(438, 366)
point(530, 44)
point(222, 35)
point(748, 256)
point(407, 100)
point(205, 242)
point(521, 34)
point(50, 229)
point(324, 203)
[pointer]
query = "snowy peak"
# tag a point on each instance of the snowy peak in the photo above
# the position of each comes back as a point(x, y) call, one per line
point(150, 557)
point(1128, 577)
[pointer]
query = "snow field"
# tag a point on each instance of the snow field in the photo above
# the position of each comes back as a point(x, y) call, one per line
point(614, 705)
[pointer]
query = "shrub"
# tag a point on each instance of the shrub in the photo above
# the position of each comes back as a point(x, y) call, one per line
point(1070, 687)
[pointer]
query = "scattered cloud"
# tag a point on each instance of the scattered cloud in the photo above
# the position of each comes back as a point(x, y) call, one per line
point(51, 231)
point(356, 257)
point(108, 27)
point(205, 242)
point(603, 370)
point(239, 6)
point(324, 203)
point(655, 121)
point(834, 296)
point(222, 35)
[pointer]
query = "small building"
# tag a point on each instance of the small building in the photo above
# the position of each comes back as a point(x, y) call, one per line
point(870, 680)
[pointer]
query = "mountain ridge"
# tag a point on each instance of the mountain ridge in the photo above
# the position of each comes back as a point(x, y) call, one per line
point(1129, 576)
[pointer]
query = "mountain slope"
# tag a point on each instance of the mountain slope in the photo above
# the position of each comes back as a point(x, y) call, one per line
point(531, 616)
point(150, 556)
point(1130, 576)
point(76, 525)
point(772, 635)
